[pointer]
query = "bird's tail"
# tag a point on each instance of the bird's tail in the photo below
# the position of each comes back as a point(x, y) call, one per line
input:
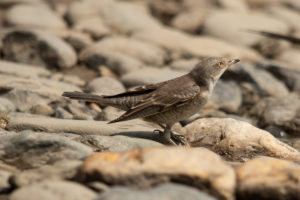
point(84, 97)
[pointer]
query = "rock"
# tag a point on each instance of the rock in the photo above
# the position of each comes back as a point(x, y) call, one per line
point(81, 127)
point(180, 44)
point(117, 62)
point(268, 178)
point(78, 40)
point(162, 192)
point(279, 111)
point(290, 56)
point(4, 177)
point(22, 70)
point(42, 109)
point(35, 16)
point(38, 47)
point(237, 6)
point(236, 22)
point(26, 93)
point(116, 143)
point(184, 64)
point(227, 96)
point(62, 113)
point(5, 3)
point(142, 168)
point(236, 140)
point(30, 150)
point(190, 21)
point(93, 26)
point(148, 75)
point(4, 119)
point(49, 190)
point(6, 105)
point(65, 169)
point(131, 17)
point(140, 50)
point(282, 71)
point(267, 84)
point(290, 16)
point(105, 86)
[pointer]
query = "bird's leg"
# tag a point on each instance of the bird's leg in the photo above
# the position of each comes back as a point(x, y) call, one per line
point(167, 135)
point(174, 137)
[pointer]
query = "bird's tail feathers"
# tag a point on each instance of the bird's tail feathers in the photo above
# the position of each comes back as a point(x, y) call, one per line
point(84, 96)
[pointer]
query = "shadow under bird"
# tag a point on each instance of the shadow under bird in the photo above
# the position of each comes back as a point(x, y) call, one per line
point(167, 102)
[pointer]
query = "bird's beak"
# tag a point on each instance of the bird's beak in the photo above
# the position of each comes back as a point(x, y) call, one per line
point(233, 61)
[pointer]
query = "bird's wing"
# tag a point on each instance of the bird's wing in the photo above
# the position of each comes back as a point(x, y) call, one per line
point(161, 100)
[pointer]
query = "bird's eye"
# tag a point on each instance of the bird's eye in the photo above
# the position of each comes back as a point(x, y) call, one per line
point(220, 64)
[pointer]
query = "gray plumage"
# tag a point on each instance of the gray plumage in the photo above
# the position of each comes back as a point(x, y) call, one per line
point(167, 102)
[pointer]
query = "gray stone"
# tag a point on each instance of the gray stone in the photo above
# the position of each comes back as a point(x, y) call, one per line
point(143, 168)
point(27, 93)
point(6, 3)
point(235, 22)
point(184, 64)
point(35, 16)
point(227, 96)
point(148, 75)
point(105, 86)
point(236, 140)
point(290, 56)
point(116, 143)
point(6, 105)
point(290, 16)
point(95, 27)
point(146, 52)
point(162, 192)
point(268, 178)
point(279, 111)
point(38, 47)
point(78, 40)
point(65, 169)
point(50, 190)
point(62, 113)
point(29, 149)
point(118, 62)
point(267, 84)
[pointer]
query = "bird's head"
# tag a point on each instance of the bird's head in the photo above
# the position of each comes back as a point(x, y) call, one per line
point(211, 68)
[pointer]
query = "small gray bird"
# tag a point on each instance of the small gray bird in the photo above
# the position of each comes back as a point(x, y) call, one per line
point(167, 102)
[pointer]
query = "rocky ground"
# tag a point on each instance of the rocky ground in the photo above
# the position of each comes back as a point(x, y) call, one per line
point(246, 140)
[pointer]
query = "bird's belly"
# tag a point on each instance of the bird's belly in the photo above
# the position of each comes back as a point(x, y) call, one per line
point(177, 113)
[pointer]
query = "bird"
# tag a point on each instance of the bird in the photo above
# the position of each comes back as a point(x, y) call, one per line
point(167, 102)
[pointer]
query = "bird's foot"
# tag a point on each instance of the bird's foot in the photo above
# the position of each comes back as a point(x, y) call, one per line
point(174, 139)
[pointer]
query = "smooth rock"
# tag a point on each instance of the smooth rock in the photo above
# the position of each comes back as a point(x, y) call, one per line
point(180, 44)
point(4, 177)
point(27, 93)
point(148, 75)
point(236, 140)
point(6, 3)
point(93, 26)
point(38, 47)
point(236, 6)
point(35, 16)
point(78, 40)
point(162, 192)
point(287, 73)
point(118, 62)
point(6, 105)
point(22, 70)
point(105, 86)
point(62, 113)
point(227, 96)
point(280, 111)
point(140, 50)
point(291, 57)
point(131, 17)
point(81, 127)
point(65, 169)
point(142, 168)
point(50, 190)
point(116, 143)
point(267, 84)
point(184, 64)
point(42, 109)
point(190, 21)
point(268, 178)
point(30, 150)
point(237, 23)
